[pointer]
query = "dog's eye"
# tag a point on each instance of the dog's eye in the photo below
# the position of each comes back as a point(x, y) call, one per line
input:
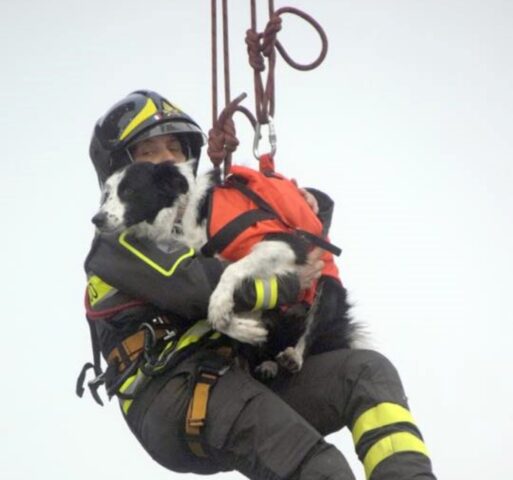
point(127, 192)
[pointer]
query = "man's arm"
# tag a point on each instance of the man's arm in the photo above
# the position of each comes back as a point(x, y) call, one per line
point(179, 280)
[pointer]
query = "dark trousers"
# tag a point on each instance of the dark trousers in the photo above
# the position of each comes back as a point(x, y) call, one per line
point(276, 431)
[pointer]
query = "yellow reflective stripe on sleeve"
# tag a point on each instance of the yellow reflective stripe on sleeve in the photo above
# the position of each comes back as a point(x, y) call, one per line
point(388, 446)
point(146, 112)
point(379, 416)
point(167, 273)
point(259, 293)
point(274, 292)
point(97, 289)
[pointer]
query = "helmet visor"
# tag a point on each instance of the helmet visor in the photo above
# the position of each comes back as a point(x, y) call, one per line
point(169, 128)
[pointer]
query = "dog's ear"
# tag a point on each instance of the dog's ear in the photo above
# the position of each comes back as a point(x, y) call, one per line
point(169, 179)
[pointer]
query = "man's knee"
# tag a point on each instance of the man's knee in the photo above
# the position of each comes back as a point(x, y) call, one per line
point(252, 430)
point(324, 462)
point(373, 378)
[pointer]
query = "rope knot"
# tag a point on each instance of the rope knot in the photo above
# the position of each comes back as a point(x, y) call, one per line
point(222, 137)
point(269, 37)
point(256, 60)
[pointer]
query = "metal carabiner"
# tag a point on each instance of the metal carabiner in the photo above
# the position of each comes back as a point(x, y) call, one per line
point(272, 138)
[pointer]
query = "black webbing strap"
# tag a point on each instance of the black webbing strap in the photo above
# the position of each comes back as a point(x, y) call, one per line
point(234, 182)
point(320, 242)
point(96, 366)
point(231, 230)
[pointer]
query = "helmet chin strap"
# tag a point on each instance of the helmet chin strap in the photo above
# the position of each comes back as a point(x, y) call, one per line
point(129, 154)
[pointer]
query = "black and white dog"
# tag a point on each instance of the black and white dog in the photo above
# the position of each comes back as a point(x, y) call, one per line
point(151, 200)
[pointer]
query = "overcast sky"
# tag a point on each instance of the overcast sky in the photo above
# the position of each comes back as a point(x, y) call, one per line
point(407, 125)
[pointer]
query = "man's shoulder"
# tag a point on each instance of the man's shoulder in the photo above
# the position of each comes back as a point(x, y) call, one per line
point(116, 250)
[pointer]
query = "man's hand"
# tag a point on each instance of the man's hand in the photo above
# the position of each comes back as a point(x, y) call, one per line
point(312, 269)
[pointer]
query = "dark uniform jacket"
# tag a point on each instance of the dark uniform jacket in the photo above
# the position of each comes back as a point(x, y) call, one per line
point(132, 282)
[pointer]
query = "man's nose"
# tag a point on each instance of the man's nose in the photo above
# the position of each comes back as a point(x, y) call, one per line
point(168, 156)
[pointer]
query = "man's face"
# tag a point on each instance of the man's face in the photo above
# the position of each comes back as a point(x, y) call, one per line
point(163, 148)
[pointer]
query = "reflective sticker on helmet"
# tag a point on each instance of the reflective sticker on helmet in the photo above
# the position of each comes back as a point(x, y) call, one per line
point(146, 112)
point(168, 108)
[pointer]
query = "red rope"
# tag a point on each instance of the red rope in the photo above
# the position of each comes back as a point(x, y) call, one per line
point(223, 140)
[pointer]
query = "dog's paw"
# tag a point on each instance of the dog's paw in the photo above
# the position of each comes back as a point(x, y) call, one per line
point(267, 370)
point(246, 330)
point(220, 310)
point(290, 360)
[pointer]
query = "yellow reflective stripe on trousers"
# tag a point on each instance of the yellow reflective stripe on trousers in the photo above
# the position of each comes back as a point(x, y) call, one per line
point(390, 445)
point(166, 272)
point(129, 387)
point(379, 416)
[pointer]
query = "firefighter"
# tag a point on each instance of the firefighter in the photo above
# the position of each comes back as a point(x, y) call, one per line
point(184, 390)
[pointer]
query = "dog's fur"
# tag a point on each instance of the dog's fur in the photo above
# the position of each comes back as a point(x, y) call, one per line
point(149, 199)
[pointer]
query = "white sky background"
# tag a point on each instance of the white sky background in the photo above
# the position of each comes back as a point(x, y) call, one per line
point(407, 124)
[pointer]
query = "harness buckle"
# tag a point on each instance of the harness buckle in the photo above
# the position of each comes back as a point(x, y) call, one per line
point(94, 385)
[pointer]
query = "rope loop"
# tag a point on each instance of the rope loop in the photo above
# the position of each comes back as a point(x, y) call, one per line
point(322, 34)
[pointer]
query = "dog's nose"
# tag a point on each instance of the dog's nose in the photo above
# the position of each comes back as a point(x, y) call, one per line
point(99, 219)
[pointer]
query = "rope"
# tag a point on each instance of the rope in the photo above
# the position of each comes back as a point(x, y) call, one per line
point(261, 46)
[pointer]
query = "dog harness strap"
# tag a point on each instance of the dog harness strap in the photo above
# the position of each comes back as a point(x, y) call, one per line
point(252, 195)
point(320, 242)
point(231, 230)
point(261, 203)
point(208, 374)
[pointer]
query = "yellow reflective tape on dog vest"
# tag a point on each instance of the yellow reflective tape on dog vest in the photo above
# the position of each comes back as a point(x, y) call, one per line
point(97, 289)
point(387, 446)
point(380, 416)
point(266, 294)
point(167, 273)
point(146, 112)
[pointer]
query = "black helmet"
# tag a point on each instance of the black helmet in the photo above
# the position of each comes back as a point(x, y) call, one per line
point(142, 114)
